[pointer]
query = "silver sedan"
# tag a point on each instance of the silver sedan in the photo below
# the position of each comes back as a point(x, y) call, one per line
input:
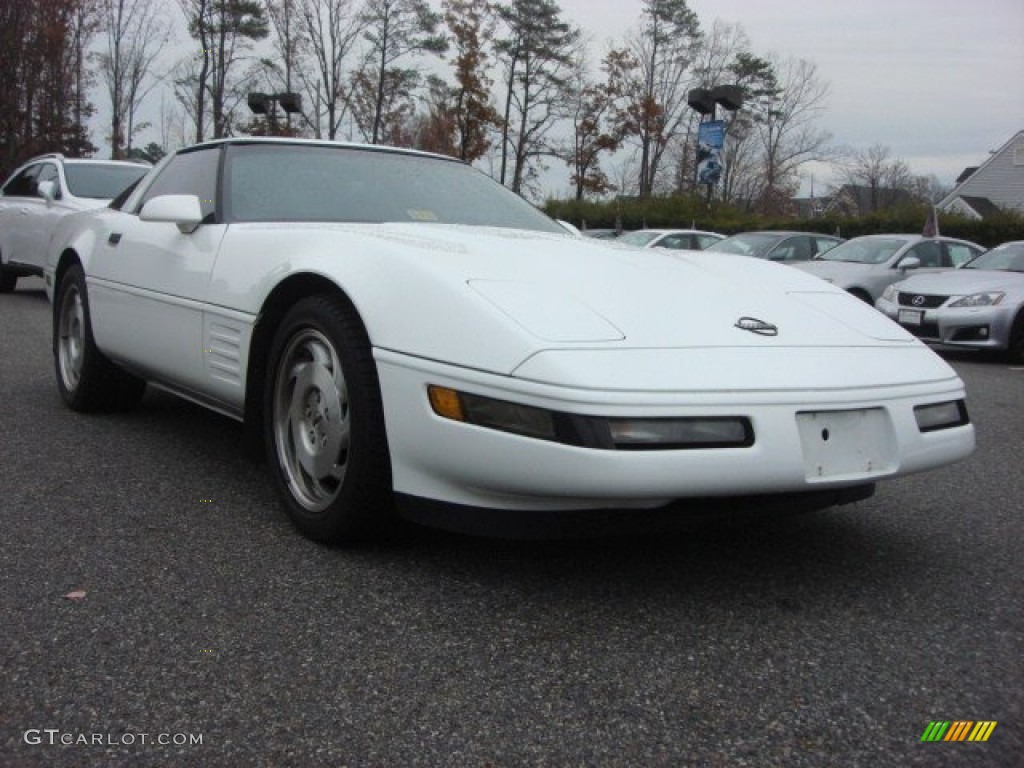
point(866, 265)
point(980, 306)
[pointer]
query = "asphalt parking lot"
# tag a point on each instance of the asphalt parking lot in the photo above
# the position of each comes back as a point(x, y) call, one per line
point(830, 639)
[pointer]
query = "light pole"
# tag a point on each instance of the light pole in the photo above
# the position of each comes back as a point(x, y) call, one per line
point(265, 104)
point(711, 132)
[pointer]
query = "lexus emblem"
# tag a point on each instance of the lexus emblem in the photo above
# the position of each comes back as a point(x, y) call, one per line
point(760, 327)
point(917, 301)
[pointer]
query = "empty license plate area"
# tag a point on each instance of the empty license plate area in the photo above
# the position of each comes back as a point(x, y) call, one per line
point(911, 316)
point(847, 444)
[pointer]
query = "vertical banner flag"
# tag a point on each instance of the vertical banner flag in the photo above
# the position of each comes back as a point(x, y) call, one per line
point(710, 140)
point(931, 226)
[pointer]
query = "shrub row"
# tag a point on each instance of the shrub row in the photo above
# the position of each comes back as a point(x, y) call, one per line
point(687, 212)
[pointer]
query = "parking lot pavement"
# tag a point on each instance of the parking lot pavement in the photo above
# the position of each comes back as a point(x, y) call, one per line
point(822, 640)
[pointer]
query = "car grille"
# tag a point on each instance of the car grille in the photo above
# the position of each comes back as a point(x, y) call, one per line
point(924, 301)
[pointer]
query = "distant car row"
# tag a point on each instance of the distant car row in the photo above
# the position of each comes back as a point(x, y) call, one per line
point(917, 281)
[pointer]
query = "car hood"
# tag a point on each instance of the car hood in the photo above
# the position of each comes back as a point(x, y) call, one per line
point(491, 298)
point(963, 281)
point(568, 291)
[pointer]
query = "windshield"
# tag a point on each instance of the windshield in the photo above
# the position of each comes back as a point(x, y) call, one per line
point(100, 181)
point(640, 237)
point(864, 250)
point(297, 182)
point(752, 244)
point(1008, 257)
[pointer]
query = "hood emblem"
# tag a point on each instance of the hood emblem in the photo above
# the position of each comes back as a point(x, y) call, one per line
point(917, 301)
point(760, 327)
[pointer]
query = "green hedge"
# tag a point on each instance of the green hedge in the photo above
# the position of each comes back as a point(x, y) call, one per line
point(686, 212)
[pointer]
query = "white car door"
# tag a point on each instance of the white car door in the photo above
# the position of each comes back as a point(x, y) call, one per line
point(148, 281)
point(19, 201)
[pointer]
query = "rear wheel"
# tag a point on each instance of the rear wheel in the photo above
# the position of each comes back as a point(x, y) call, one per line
point(324, 423)
point(87, 380)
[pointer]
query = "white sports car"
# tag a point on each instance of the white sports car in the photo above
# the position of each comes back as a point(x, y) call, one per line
point(397, 326)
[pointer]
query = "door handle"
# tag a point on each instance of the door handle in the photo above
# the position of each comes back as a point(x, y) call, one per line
point(114, 238)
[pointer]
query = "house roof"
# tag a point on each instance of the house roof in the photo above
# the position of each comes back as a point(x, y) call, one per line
point(981, 205)
point(966, 174)
point(999, 180)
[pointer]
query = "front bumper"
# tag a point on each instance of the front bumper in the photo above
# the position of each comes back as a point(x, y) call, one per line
point(969, 327)
point(453, 462)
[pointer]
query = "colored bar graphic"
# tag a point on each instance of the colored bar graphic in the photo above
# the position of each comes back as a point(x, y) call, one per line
point(982, 730)
point(958, 730)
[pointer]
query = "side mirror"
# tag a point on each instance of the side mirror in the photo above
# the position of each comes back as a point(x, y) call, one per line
point(47, 190)
point(184, 211)
point(909, 262)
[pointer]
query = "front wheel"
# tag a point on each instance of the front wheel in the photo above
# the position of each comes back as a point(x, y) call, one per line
point(324, 423)
point(1015, 348)
point(87, 380)
point(8, 280)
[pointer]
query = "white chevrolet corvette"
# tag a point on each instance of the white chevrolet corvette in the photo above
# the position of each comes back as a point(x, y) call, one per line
point(398, 326)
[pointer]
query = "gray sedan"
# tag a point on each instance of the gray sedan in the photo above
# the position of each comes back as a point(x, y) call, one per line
point(980, 306)
point(866, 266)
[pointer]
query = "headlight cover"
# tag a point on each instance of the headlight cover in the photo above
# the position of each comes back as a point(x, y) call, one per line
point(983, 299)
point(611, 434)
point(889, 294)
point(936, 416)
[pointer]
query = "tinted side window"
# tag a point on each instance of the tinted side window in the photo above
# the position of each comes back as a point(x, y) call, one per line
point(959, 254)
point(675, 242)
point(24, 184)
point(824, 243)
point(704, 241)
point(930, 254)
point(793, 249)
point(189, 173)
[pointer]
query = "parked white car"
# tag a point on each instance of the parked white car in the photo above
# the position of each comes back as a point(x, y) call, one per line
point(865, 266)
point(673, 239)
point(43, 190)
point(397, 325)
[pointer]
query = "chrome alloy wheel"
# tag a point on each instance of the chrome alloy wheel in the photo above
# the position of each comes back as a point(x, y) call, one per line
point(312, 427)
point(71, 338)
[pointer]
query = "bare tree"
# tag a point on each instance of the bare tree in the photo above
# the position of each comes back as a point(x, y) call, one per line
point(471, 23)
point(289, 42)
point(332, 28)
point(395, 29)
point(135, 35)
point(536, 56)
point(656, 77)
point(593, 135)
point(224, 30)
point(884, 176)
point(787, 134)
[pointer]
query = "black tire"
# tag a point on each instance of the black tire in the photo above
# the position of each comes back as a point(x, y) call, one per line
point(1015, 348)
point(8, 280)
point(87, 380)
point(324, 423)
point(862, 295)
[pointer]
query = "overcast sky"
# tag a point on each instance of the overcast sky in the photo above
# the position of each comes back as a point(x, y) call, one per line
point(939, 82)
